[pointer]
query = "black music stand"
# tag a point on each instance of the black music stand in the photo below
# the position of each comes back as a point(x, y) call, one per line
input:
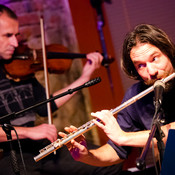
point(168, 164)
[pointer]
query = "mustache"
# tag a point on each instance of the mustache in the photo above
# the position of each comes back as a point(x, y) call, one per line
point(169, 85)
point(159, 77)
point(152, 81)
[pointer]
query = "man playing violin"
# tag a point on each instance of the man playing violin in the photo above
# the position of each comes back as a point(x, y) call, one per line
point(148, 56)
point(16, 96)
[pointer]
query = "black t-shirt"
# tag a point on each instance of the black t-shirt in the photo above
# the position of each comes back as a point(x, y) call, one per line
point(17, 96)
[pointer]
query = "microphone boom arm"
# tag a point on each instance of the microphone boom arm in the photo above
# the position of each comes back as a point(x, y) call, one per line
point(69, 91)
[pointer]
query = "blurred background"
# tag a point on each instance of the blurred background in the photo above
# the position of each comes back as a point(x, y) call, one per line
point(83, 26)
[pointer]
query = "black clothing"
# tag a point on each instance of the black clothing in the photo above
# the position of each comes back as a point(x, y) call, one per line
point(16, 96)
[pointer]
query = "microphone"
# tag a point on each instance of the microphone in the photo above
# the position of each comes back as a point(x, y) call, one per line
point(159, 87)
point(92, 82)
point(87, 84)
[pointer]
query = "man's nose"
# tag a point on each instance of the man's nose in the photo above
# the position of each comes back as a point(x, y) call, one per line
point(14, 41)
point(152, 71)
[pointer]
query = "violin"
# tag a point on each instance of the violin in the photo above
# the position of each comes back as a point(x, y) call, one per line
point(25, 61)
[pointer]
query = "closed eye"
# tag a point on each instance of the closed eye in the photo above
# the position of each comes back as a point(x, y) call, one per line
point(8, 35)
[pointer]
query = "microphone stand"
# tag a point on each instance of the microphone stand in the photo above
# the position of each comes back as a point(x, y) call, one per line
point(158, 134)
point(7, 127)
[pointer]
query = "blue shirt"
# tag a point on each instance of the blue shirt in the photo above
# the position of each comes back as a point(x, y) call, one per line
point(138, 116)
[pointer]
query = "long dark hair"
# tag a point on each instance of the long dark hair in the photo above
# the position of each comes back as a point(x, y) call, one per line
point(145, 33)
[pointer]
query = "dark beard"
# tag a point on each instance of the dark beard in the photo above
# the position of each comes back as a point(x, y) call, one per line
point(168, 105)
point(169, 86)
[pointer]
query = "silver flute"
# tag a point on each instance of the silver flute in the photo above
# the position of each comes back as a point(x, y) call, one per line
point(90, 124)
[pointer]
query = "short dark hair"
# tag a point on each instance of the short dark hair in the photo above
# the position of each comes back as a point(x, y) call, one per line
point(8, 11)
point(145, 33)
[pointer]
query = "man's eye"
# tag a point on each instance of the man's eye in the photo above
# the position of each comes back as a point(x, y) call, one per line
point(8, 35)
point(155, 58)
point(140, 66)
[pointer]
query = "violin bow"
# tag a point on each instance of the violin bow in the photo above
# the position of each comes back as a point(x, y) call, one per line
point(100, 23)
point(50, 120)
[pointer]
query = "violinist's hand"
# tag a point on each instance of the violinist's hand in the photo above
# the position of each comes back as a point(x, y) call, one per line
point(109, 125)
point(93, 63)
point(43, 131)
point(78, 146)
